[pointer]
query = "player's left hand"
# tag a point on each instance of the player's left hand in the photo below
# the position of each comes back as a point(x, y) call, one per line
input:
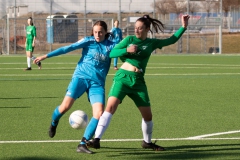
point(185, 19)
point(38, 59)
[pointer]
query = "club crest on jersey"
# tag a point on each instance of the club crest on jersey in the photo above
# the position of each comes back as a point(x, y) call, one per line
point(144, 47)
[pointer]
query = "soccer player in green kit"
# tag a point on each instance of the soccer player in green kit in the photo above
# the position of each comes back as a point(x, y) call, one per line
point(30, 43)
point(135, 51)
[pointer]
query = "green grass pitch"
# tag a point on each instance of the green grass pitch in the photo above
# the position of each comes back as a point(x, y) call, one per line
point(194, 98)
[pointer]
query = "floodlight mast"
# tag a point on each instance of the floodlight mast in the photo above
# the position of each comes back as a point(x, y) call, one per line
point(220, 29)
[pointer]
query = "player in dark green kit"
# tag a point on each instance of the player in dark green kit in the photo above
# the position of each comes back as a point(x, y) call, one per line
point(134, 52)
point(30, 43)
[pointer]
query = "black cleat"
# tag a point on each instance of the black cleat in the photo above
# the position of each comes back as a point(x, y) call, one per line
point(82, 148)
point(152, 146)
point(28, 69)
point(39, 65)
point(52, 131)
point(95, 143)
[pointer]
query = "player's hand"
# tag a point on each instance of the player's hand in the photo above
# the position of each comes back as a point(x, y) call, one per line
point(185, 19)
point(38, 59)
point(132, 49)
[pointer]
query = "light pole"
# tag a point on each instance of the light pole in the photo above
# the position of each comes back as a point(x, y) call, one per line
point(85, 18)
point(187, 29)
point(220, 29)
point(15, 16)
point(119, 14)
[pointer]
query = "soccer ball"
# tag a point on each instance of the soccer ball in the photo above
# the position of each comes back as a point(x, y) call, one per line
point(78, 119)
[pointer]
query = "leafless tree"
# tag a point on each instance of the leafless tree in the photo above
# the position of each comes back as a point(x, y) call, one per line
point(177, 7)
point(226, 4)
point(161, 7)
point(194, 7)
point(209, 6)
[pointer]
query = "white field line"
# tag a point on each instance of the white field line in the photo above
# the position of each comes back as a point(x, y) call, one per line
point(157, 74)
point(213, 134)
point(205, 67)
point(167, 64)
point(201, 137)
point(120, 140)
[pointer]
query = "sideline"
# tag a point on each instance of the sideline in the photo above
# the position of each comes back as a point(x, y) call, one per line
point(213, 134)
point(155, 74)
point(201, 137)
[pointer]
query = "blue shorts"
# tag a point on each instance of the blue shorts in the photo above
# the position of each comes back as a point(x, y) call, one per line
point(95, 91)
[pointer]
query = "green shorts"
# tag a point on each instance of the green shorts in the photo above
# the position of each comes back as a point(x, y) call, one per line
point(131, 84)
point(29, 46)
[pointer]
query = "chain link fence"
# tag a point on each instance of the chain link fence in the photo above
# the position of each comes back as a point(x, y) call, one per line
point(68, 23)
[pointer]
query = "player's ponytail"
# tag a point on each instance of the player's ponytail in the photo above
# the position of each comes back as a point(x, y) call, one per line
point(147, 20)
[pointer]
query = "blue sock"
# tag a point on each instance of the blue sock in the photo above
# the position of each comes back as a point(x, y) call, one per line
point(56, 116)
point(115, 62)
point(90, 130)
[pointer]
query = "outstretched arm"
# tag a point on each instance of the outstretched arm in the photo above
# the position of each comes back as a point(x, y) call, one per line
point(175, 37)
point(62, 50)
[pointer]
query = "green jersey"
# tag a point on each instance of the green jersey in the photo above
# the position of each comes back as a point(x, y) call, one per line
point(30, 32)
point(145, 48)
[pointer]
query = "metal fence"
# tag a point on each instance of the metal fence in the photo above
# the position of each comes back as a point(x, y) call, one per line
point(202, 36)
point(55, 32)
point(52, 33)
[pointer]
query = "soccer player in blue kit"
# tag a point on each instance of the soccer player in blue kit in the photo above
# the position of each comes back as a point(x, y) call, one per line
point(89, 76)
point(117, 37)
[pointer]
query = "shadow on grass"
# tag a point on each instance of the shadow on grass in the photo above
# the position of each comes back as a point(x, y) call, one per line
point(27, 98)
point(36, 158)
point(47, 79)
point(214, 151)
point(213, 147)
point(13, 107)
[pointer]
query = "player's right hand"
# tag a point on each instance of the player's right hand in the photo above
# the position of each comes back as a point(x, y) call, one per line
point(132, 49)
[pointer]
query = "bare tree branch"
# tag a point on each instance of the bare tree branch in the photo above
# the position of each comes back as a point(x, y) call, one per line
point(177, 6)
point(194, 7)
point(209, 6)
point(161, 7)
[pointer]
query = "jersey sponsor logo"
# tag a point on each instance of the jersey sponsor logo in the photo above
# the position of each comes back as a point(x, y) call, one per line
point(100, 57)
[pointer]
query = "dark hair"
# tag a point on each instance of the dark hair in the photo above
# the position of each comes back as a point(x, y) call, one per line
point(31, 21)
point(104, 25)
point(147, 21)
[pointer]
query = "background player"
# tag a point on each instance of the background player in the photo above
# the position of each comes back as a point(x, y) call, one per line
point(30, 43)
point(117, 37)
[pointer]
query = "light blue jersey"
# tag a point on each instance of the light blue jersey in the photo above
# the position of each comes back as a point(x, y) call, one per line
point(94, 63)
point(117, 33)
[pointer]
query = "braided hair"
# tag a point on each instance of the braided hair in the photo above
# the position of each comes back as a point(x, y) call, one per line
point(147, 21)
